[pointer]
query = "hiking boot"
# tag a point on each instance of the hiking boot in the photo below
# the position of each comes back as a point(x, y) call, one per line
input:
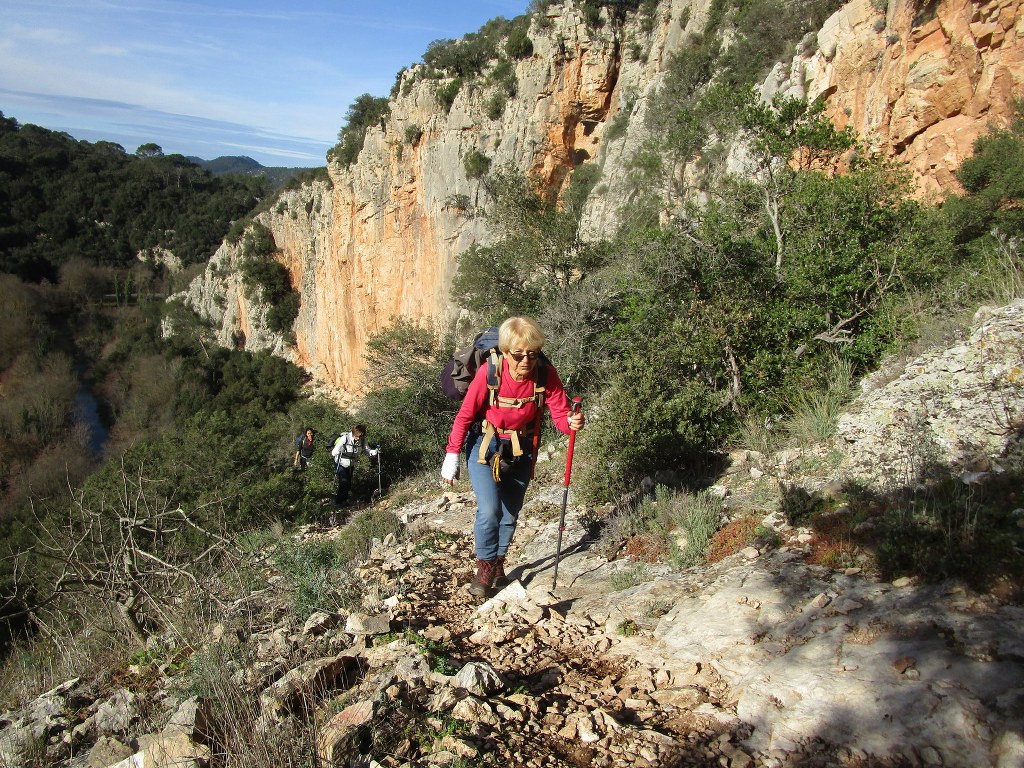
point(500, 579)
point(484, 576)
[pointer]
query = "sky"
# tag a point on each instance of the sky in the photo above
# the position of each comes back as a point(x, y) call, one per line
point(271, 80)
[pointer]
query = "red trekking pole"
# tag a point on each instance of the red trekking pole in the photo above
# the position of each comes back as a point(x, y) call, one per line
point(577, 403)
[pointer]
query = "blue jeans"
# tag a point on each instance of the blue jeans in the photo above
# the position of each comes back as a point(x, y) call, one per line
point(497, 504)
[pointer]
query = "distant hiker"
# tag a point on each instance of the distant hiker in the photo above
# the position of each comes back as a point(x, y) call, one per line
point(498, 426)
point(346, 449)
point(304, 447)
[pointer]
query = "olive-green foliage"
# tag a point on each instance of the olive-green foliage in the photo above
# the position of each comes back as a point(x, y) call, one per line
point(405, 408)
point(226, 460)
point(538, 255)
point(63, 198)
point(446, 93)
point(316, 570)
point(503, 76)
point(267, 279)
point(413, 134)
point(994, 182)
point(359, 534)
point(307, 176)
point(476, 164)
point(365, 112)
point(494, 107)
point(740, 305)
point(518, 45)
point(647, 414)
point(471, 55)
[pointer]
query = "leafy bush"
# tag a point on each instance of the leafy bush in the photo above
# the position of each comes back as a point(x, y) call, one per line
point(476, 164)
point(494, 107)
point(281, 316)
point(446, 93)
point(413, 134)
point(405, 406)
point(365, 112)
point(518, 45)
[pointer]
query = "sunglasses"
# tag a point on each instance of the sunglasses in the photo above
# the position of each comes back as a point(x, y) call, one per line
point(520, 356)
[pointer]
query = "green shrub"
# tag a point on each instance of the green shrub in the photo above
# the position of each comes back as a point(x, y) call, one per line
point(699, 519)
point(405, 407)
point(494, 107)
point(281, 316)
point(476, 164)
point(353, 545)
point(413, 134)
point(365, 112)
point(518, 45)
point(317, 572)
point(815, 412)
point(446, 93)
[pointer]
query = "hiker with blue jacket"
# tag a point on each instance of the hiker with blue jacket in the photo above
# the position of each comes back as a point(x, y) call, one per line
point(498, 426)
point(345, 451)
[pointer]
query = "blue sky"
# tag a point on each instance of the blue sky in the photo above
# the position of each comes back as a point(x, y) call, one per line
point(271, 80)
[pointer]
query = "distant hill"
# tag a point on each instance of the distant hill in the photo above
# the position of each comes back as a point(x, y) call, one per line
point(246, 166)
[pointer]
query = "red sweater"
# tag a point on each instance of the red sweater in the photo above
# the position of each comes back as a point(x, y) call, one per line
point(475, 407)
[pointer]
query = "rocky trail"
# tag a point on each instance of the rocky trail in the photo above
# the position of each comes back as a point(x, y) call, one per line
point(766, 657)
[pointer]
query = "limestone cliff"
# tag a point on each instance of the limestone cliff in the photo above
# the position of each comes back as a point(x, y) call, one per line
point(919, 81)
point(382, 240)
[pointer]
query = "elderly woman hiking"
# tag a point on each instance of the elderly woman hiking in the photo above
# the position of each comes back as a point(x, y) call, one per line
point(497, 425)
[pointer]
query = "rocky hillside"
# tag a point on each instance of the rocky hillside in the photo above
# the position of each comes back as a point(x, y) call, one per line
point(769, 656)
point(920, 83)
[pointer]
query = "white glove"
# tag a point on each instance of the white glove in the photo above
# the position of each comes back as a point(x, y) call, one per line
point(450, 467)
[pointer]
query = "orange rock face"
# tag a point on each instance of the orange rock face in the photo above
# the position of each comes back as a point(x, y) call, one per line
point(922, 84)
point(382, 240)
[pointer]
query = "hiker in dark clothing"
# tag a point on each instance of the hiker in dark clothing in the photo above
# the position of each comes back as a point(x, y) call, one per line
point(345, 451)
point(496, 429)
point(304, 447)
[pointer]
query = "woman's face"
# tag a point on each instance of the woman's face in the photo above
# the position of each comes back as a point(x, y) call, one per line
point(521, 360)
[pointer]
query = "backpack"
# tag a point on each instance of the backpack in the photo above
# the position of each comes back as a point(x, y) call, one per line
point(459, 371)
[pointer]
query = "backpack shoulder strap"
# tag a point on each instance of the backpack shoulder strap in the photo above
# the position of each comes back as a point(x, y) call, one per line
point(493, 376)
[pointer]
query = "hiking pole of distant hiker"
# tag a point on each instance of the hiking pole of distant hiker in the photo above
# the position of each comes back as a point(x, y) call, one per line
point(380, 491)
point(577, 403)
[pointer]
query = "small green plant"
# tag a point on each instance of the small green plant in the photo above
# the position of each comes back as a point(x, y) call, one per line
point(446, 93)
point(658, 608)
point(814, 413)
point(798, 504)
point(700, 519)
point(435, 541)
point(317, 572)
point(627, 628)
point(458, 202)
point(413, 134)
point(759, 433)
point(630, 577)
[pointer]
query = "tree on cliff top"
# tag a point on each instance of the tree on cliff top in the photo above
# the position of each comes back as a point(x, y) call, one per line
point(366, 111)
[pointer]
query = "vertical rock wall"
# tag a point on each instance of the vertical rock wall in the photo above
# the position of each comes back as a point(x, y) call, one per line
point(382, 242)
